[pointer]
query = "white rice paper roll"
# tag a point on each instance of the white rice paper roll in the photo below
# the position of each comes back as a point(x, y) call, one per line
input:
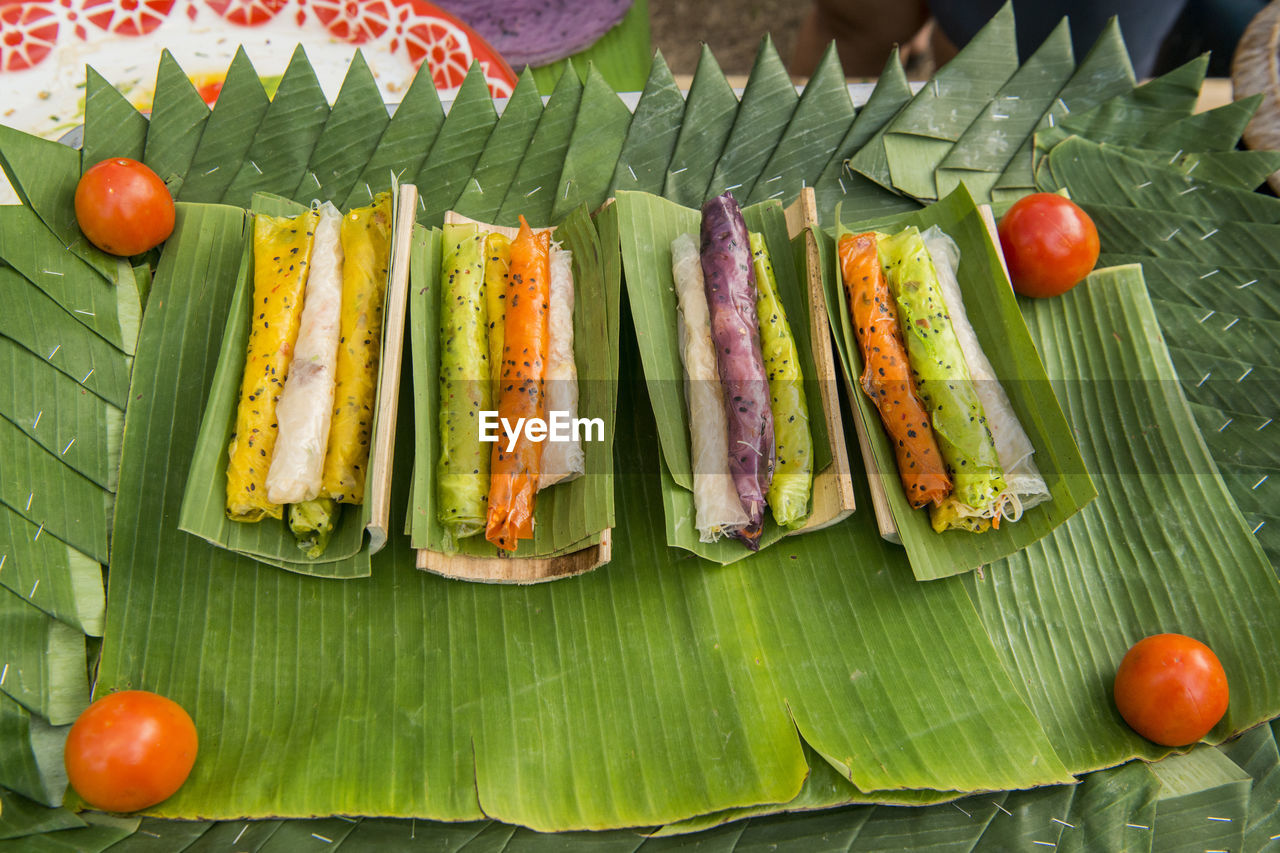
point(561, 460)
point(719, 511)
point(305, 408)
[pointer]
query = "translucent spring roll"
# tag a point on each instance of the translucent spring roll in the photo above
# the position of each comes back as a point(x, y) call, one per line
point(514, 479)
point(366, 249)
point(792, 485)
point(942, 378)
point(731, 300)
point(718, 511)
point(281, 249)
point(1026, 488)
point(561, 460)
point(462, 471)
point(497, 266)
point(886, 374)
point(306, 403)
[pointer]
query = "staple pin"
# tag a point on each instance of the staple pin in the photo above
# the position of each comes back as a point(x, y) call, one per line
point(1143, 185)
point(1175, 157)
point(214, 169)
point(1189, 189)
point(86, 376)
point(1232, 323)
point(36, 422)
point(1193, 168)
point(53, 272)
point(30, 497)
point(997, 116)
point(1063, 822)
point(566, 188)
point(3, 557)
point(1209, 234)
point(1263, 425)
point(86, 313)
point(1227, 424)
point(1065, 108)
point(935, 88)
point(3, 673)
point(1209, 273)
point(319, 837)
point(1246, 373)
point(477, 183)
point(239, 835)
point(732, 188)
point(1254, 487)
point(633, 173)
point(1255, 532)
point(39, 530)
point(1220, 819)
point(842, 189)
point(68, 447)
point(1002, 808)
point(1136, 826)
point(1045, 843)
point(1207, 316)
point(33, 588)
point(532, 191)
point(1173, 234)
point(681, 169)
point(55, 351)
point(1246, 284)
point(255, 167)
point(1203, 379)
point(774, 178)
point(962, 811)
point(1051, 122)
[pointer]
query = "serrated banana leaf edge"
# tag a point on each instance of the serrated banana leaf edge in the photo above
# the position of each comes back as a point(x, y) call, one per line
point(1126, 800)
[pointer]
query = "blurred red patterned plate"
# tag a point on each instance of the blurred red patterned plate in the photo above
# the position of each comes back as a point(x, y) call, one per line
point(45, 44)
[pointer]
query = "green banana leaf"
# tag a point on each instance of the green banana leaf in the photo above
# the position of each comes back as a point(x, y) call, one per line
point(995, 315)
point(1203, 802)
point(456, 149)
point(571, 515)
point(652, 136)
point(21, 817)
point(214, 243)
point(44, 661)
point(1112, 810)
point(986, 147)
point(404, 143)
point(350, 134)
point(1218, 129)
point(505, 147)
point(100, 832)
point(1144, 112)
point(277, 158)
point(178, 119)
point(709, 111)
point(228, 133)
point(112, 126)
point(532, 191)
point(1255, 753)
point(32, 764)
point(594, 148)
point(648, 224)
point(768, 102)
point(51, 575)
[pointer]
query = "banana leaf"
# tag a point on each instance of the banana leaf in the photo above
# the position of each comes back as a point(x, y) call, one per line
point(1202, 804)
point(648, 225)
point(1144, 585)
point(178, 118)
point(1103, 73)
point(32, 751)
point(621, 56)
point(1246, 169)
point(768, 102)
point(21, 817)
point(44, 175)
point(986, 147)
point(350, 134)
point(571, 515)
point(111, 310)
point(651, 138)
point(505, 147)
point(1239, 291)
point(404, 143)
point(821, 119)
point(51, 575)
point(1112, 810)
point(598, 137)
point(917, 140)
point(101, 832)
point(82, 429)
point(277, 158)
point(456, 148)
point(228, 134)
point(709, 111)
point(996, 319)
point(214, 243)
point(1218, 129)
point(113, 127)
point(44, 661)
point(1144, 112)
point(1220, 334)
point(1255, 753)
point(532, 191)
point(1099, 174)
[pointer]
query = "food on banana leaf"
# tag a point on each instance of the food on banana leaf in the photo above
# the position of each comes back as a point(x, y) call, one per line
point(886, 375)
point(561, 460)
point(945, 386)
point(718, 509)
point(497, 267)
point(792, 485)
point(281, 249)
point(514, 473)
point(305, 408)
point(729, 281)
point(462, 471)
point(366, 248)
point(312, 524)
point(1026, 488)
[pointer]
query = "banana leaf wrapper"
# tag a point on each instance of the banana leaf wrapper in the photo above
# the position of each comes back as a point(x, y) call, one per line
point(281, 253)
point(366, 247)
point(959, 421)
point(462, 473)
point(561, 460)
point(729, 280)
point(514, 473)
point(792, 486)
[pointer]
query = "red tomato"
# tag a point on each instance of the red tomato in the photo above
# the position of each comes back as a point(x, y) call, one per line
point(123, 207)
point(1171, 689)
point(130, 750)
point(1049, 243)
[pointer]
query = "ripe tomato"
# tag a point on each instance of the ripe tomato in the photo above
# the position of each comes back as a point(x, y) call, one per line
point(1171, 689)
point(130, 750)
point(123, 207)
point(1049, 243)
